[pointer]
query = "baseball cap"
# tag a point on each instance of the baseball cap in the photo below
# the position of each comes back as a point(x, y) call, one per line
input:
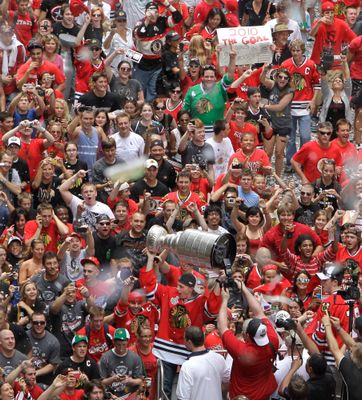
point(173, 36)
point(79, 338)
point(331, 272)
point(94, 43)
point(121, 334)
point(151, 4)
point(327, 6)
point(194, 61)
point(124, 186)
point(102, 217)
point(34, 44)
point(121, 16)
point(92, 260)
point(77, 235)
point(188, 280)
point(151, 163)
point(257, 330)
point(14, 140)
point(14, 239)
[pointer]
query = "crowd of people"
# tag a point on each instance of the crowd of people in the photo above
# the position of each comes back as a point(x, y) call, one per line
point(266, 154)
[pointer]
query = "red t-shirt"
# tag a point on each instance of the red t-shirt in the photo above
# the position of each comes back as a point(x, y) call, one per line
point(77, 395)
point(236, 133)
point(33, 153)
point(83, 72)
point(332, 35)
point(24, 27)
point(97, 344)
point(187, 82)
point(47, 235)
point(355, 47)
point(341, 5)
point(348, 152)
point(252, 81)
point(202, 9)
point(201, 188)
point(255, 162)
point(273, 238)
point(101, 290)
point(254, 278)
point(312, 154)
point(252, 369)
point(36, 73)
point(218, 182)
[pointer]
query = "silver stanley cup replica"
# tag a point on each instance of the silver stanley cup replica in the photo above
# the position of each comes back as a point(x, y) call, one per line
point(193, 247)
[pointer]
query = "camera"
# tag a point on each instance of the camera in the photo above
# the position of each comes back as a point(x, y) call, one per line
point(231, 200)
point(41, 91)
point(351, 292)
point(288, 324)
point(181, 46)
point(327, 59)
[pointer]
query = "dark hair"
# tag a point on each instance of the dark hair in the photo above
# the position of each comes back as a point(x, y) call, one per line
point(343, 121)
point(4, 115)
point(98, 75)
point(184, 174)
point(318, 364)
point(251, 211)
point(38, 313)
point(300, 240)
point(108, 122)
point(231, 189)
point(212, 208)
point(89, 386)
point(174, 85)
point(16, 214)
point(303, 272)
point(108, 144)
point(123, 62)
point(212, 13)
point(122, 203)
point(252, 90)
point(49, 255)
point(195, 335)
point(219, 126)
point(246, 172)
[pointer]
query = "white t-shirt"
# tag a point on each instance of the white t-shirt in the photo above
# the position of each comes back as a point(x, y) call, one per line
point(201, 377)
point(129, 148)
point(222, 152)
point(91, 213)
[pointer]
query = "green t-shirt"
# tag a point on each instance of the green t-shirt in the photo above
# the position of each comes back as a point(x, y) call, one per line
point(208, 107)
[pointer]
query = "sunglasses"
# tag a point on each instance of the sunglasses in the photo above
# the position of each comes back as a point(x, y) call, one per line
point(97, 15)
point(38, 322)
point(176, 91)
point(283, 77)
point(306, 193)
point(161, 108)
point(303, 280)
point(329, 133)
point(104, 223)
point(209, 66)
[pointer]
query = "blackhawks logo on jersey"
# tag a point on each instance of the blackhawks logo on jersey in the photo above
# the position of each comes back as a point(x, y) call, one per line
point(204, 106)
point(179, 317)
point(299, 81)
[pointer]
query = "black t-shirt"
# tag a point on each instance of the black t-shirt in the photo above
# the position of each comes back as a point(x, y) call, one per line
point(177, 225)
point(104, 251)
point(59, 28)
point(169, 61)
point(128, 91)
point(23, 169)
point(126, 246)
point(157, 193)
point(305, 214)
point(53, 9)
point(109, 102)
point(80, 164)
point(258, 19)
point(167, 174)
point(48, 193)
point(322, 388)
point(329, 199)
point(93, 33)
point(88, 367)
point(352, 377)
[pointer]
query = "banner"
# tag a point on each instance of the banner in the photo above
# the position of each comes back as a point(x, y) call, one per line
point(251, 43)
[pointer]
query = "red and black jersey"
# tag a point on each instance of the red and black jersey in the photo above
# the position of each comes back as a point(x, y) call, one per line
point(305, 78)
point(191, 198)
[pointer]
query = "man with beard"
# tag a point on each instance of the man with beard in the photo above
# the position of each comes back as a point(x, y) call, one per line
point(79, 361)
point(166, 172)
point(206, 101)
point(132, 243)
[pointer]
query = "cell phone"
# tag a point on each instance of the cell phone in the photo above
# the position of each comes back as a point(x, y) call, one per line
point(181, 46)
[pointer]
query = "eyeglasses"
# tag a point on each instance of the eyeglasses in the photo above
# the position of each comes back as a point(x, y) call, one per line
point(306, 194)
point(38, 322)
point(176, 91)
point(104, 223)
point(283, 77)
point(125, 69)
point(160, 108)
point(329, 133)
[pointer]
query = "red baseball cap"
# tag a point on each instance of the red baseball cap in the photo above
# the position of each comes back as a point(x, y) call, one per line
point(327, 6)
point(92, 260)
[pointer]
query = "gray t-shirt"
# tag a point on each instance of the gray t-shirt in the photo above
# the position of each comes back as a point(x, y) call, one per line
point(282, 119)
point(128, 91)
point(45, 350)
point(198, 154)
point(50, 290)
point(112, 364)
point(9, 364)
point(71, 267)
